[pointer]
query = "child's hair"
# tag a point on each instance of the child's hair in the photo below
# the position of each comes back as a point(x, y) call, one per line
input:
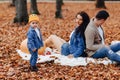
point(102, 15)
point(81, 28)
point(33, 17)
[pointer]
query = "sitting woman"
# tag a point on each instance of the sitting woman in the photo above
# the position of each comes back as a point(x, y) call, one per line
point(76, 45)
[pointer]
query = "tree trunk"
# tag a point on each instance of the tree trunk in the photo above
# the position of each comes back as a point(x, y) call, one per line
point(13, 3)
point(100, 4)
point(58, 13)
point(62, 2)
point(21, 12)
point(33, 9)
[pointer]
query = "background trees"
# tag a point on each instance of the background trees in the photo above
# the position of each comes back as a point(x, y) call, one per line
point(33, 8)
point(58, 13)
point(100, 4)
point(21, 11)
point(22, 14)
point(12, 3)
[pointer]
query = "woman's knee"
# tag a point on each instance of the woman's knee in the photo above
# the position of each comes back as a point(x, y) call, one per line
point(52, 36)
point(65, 45)
point(65, 49)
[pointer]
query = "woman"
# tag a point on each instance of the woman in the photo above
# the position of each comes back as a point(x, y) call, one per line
point(76, 45)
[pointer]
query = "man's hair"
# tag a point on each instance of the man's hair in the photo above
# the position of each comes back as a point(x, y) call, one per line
point(102, 15)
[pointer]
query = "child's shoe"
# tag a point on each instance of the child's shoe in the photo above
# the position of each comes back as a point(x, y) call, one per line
point(34, 68)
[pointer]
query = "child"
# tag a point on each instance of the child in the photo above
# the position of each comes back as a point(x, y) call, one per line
point(34, 40)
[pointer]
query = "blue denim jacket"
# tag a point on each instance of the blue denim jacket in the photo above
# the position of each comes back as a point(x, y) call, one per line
point(34, 42)
point(75, 47)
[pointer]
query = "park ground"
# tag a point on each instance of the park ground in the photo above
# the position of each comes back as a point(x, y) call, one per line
point(12, 67)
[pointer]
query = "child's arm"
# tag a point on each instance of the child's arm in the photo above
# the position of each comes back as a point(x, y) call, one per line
point(31, 45)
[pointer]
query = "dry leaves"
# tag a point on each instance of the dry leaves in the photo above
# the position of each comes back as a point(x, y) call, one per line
point(12, 67)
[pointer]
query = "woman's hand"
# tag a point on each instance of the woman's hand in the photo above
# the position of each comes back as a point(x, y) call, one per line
point(70, 56)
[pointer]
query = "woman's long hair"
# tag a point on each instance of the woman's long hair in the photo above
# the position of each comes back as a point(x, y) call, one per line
point(81, 28)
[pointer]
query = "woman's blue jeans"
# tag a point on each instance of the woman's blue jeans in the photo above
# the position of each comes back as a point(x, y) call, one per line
point(65, 50)
point(108, 52)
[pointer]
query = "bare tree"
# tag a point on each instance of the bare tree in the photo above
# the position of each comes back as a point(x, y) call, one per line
point(34, 9)
point(13, 3)
point(100, 4)
point(62, 2)
point(21, 12)
point(58, 13)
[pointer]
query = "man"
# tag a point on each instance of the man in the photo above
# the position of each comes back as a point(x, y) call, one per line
point(94, 34)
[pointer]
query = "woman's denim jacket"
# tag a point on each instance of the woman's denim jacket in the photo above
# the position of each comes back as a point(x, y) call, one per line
point(76, 46)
